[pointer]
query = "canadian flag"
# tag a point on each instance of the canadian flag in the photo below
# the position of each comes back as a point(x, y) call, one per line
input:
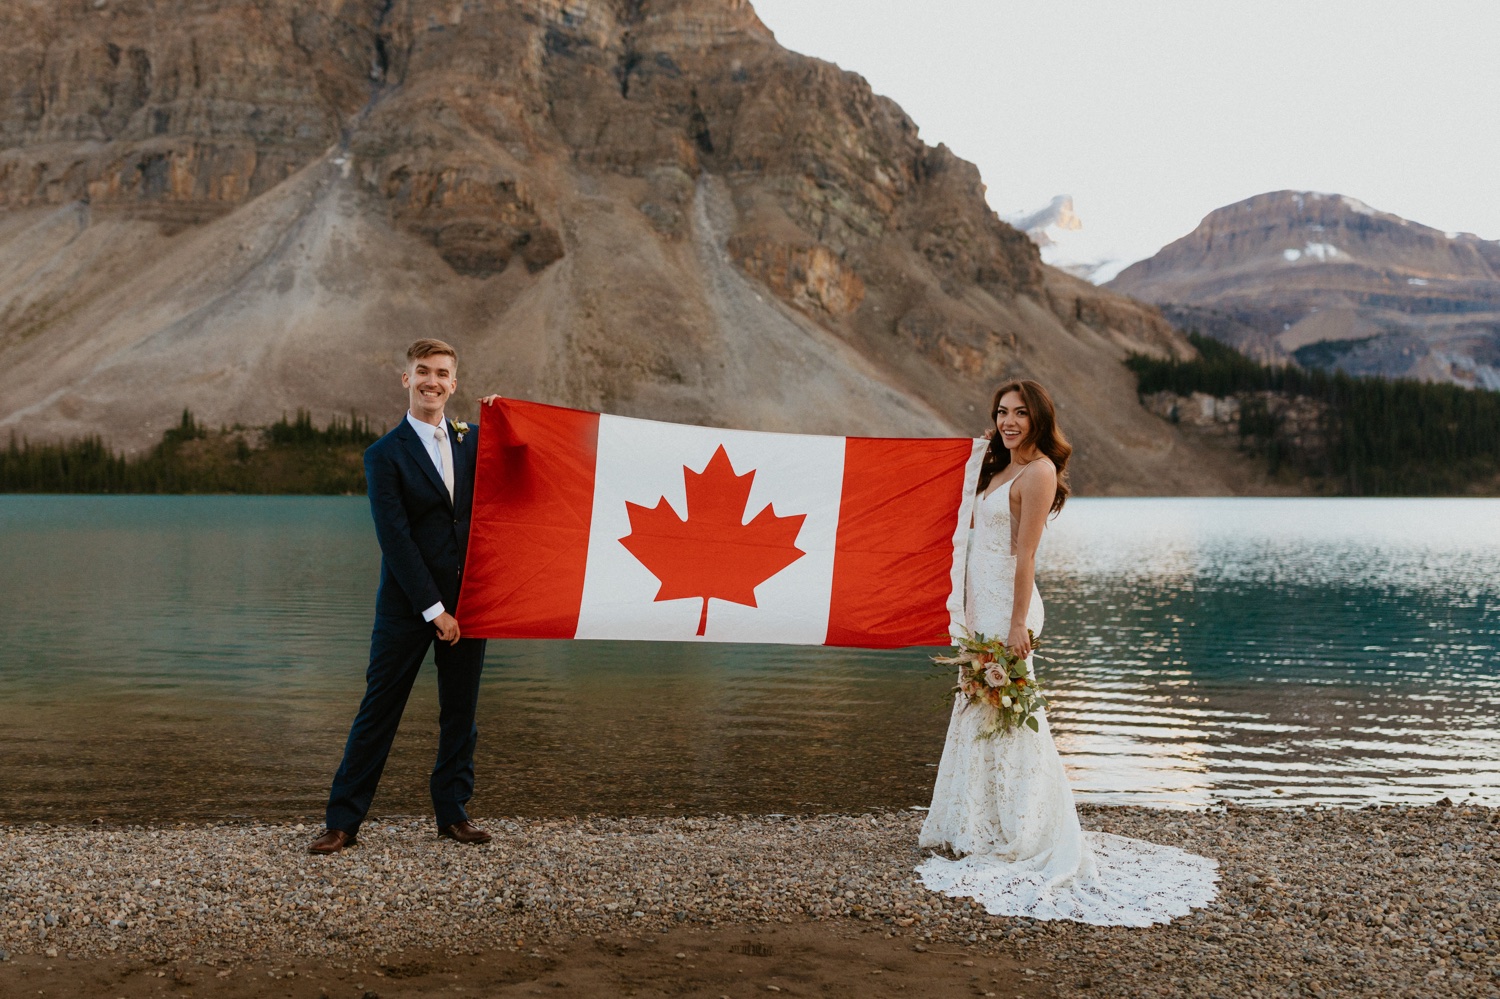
point(595, 526)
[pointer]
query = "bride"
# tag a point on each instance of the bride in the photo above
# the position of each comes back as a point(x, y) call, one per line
point(1002, 804)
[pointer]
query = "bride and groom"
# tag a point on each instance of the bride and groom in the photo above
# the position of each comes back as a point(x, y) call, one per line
point(1001, 805)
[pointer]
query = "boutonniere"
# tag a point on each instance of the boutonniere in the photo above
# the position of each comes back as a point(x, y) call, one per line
point(459, 429)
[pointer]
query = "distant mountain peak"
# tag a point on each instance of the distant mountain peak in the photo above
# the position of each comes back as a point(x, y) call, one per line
point(1048, 228)
point(1057, 217)
point(1301, 198)
point(1334, 282)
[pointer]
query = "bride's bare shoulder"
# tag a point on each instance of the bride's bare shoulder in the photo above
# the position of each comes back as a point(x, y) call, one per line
point(1040, 477)
point(1036, 486)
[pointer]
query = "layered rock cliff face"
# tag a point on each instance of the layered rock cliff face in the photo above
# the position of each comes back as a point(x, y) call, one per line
point(1332, 282)
point(643, 207)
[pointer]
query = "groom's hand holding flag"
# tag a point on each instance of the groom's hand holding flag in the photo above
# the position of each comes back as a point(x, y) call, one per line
point(447, 628)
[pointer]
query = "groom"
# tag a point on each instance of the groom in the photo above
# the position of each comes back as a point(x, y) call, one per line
point(421, 483)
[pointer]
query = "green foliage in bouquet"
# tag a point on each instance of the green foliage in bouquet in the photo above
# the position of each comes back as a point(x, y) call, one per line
point(994, 678)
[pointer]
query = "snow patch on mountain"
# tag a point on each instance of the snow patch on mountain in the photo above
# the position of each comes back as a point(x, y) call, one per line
point(1321, 252)
point(1352, 204)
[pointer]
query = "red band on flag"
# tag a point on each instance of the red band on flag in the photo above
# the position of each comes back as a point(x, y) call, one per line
point(893, 570)
point(529, 536)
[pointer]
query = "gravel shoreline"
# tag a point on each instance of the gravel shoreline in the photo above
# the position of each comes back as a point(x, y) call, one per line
point(1313, 902)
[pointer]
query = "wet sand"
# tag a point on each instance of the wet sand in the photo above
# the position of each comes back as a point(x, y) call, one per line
point(807, 958)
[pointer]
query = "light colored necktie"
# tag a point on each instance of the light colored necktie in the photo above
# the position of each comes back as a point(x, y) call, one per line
point(445, 459)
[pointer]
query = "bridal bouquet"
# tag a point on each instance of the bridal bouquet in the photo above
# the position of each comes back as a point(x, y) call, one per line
point(989, 673)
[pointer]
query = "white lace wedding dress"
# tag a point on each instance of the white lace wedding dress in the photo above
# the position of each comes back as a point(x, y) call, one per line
point(1004, 807)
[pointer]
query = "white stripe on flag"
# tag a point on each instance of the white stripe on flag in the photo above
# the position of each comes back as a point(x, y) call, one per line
point(642, 461)
point(961, 540)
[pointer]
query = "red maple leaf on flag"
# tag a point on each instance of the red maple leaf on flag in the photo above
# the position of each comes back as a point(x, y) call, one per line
point(713, 553)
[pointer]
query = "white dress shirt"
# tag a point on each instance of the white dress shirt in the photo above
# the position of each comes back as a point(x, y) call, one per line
point(441, 453)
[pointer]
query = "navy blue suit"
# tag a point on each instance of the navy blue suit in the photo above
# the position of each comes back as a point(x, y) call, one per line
point(423, 539)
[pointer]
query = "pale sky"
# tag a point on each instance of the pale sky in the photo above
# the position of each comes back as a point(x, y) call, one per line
point(1152, 113)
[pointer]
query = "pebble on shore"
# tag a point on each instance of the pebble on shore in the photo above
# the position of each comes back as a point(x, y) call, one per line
point(1389, 901)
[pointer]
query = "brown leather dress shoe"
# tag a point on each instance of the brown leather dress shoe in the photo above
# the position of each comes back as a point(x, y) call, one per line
point(331, 841)
point(465, 832)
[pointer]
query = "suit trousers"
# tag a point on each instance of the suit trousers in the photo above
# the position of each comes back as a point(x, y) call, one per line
point(397, 648)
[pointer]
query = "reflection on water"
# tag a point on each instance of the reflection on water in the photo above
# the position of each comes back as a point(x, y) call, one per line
point(195, 657)
point(1329, 650)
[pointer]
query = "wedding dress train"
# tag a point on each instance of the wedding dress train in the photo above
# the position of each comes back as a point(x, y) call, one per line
point(1004, 806)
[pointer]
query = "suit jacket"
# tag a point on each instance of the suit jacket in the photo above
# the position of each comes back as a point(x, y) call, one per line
point(423, 535)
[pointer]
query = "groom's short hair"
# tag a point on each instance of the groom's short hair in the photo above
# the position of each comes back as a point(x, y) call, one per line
point(427, 347)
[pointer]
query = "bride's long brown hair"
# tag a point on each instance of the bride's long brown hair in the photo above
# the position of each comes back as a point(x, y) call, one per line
point(1045, 434)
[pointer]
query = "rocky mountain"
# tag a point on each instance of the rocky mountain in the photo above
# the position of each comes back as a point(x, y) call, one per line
point(642, 206)
point(1332, 282)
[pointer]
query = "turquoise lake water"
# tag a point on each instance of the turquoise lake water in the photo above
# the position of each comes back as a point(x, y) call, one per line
point(199, 657)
